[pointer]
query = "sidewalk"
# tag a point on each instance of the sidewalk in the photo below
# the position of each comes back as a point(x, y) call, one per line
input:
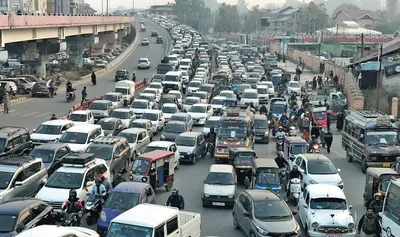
point(290, 67)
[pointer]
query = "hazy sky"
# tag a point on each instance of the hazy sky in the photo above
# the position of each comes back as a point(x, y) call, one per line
point(96, 4)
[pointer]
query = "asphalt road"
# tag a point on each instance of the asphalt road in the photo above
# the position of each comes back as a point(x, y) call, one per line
point(33, 111)
point(189, 178)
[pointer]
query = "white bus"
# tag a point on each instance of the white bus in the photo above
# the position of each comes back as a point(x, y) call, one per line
point(391, 211)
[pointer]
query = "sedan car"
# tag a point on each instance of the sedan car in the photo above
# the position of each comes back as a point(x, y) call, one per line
point(183, 117)
point(101, 109)
point(81, 117)
point(40, 90)
point(111, 126)
point(121, 75)
point(190, 101)
point(145, 41)
point(50, 131)
point(294, 87)
point(51, 154)
point(154, 33)
point(159, 40)
point(200, 113)
point(58, 231)
point(116, 99)
point(254, 213)
point(169, 109)
point(172, 130)
point(126, 116)
point(144, 63)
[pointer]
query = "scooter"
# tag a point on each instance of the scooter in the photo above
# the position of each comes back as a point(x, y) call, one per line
point(93, 208)
point(70, 96)
point(279, 143)
point(71, 219)
point(295, 190)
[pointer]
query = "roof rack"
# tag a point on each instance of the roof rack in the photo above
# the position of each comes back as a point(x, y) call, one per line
point(16, 160)
point(371, 115)
point(78, 159)
point(9, 127)
point(107, 140)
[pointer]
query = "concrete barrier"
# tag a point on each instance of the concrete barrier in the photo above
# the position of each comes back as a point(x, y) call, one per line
point(139, 85)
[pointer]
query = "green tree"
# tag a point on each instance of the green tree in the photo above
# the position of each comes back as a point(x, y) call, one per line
point(252, 19)
point(386, 26)
point(227, 19)
point(193, 13)
point(313, 17)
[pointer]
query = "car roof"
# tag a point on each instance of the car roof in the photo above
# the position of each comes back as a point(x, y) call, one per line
point(220, 97)
point(193, 97)
point(161, 143)
point(143, 58)
point(109, 119)
point(152, 111)
point(122, 110)
point(176, 122)
point(170, 105)
point(221, 168)
point(315, 156)
point(141, 121)
point(15, 206)
point(141, 100)
point(190, 134)
point(180, 114)
point(50, 146)
point(113, 93)
point(40, 231)
point(80, 170)
point(250, 90)
point(83, 128)
point(200, 92)
point(81, 112)
point(226, 91)
point(100, 101)
point(130, 187)
point(325, 191)
point(261, 195)
point(260, 117)
point(201, 105)
point(133, 130)
point(60, 122)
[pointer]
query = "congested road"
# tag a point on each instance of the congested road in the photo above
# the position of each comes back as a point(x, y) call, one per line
point(189, 178)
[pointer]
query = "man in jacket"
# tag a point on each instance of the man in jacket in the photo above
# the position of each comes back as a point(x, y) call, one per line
point(176, 200)
point(369, 225)
point(328, 140)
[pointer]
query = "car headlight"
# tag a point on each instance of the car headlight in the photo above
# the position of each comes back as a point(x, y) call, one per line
point(103, 216)
point(206, 195)
point(340, 182)
point(351, 227)
point(315, 224)
point(230, 196)
point(261, 231)
point(266, 133)
point(313, 181)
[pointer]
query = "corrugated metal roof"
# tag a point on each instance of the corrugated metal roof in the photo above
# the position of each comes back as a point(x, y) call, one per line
point(389, 47)
point(282, 9)
point(290, 12)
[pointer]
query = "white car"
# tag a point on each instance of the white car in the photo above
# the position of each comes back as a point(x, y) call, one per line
point(79, 137)
point(218, 103)
point(189, 101)
point(138, 139)
point(144, 63)
point(201, 78)
point(116, 99)
point(178, 49)
point(173, 60)
point(156, 85)
point(201, 70)
point(168, 110)
point(229, 95)
point(249, 96)
point(263, 94)
point(152, 91)
point(58, 231)
point(178, 95)
point(126, 116)
point(80, 177)
point(165, 146)
point(145, 41)
point(323, 208)
point(156, 117)
point(81, 117)
point(185, 74)
point(220, 186)
point(294, 87)
point(271, 88)
point(317, 169)
point(50, 131)
point(138, 107)
point(200, 113)
point(193, 87)
point(203, 95)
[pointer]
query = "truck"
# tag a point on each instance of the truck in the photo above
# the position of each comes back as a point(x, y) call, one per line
point(153, 220)
point(142, 27)
point(335, 99)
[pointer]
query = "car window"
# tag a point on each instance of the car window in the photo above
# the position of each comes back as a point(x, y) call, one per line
point(308, 199)
point(90, 176)
point(198, 140)
point(172, 225)
point(173, 148)
point(298, 161)
point(144, 198)
point(61, 152)
point(25, 218)
point(25, 137)
point(32, 170)
point(159, 231)
point(37, 210)
point(102, 168)
point(97, 172)
point(16, 142)
point(303, 165)
point(245, 202)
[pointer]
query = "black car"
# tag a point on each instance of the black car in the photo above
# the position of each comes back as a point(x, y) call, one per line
point(40, 90)
point(159, 40)
point(261, 129)
point(14, 140)
point(191, 146)
point(111, 126)
point(121, 75)
point(165, 99)
point(21, 214)
point(154, 34)
point(52, 155)
point(163, 68)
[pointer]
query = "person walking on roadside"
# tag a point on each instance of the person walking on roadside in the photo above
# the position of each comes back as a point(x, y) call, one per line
point(84, 95)
point(369, 225)
point(2, 92)
point(52, 87)
point(6, 103)
point(94, 79)
point(328, 140)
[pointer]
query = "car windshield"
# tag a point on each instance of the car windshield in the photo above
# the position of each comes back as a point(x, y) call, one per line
point(271, 210)
point(158, 76)
point(267, 178)
point(100, 151)
point(98, 106)
point(244, 159)
point(106, 125)
point(74, 137)
point(260, 123)
point(140, 166)
point(131, 137)
point(249, 95)
point(169, 110)
point(122, 201)
point(217, 101)
point(262, 90)
point(217, 178)
point(243, 87)
point(139, 105)
point(155, 86)
point(120, 73)
point(328, 204)
point(48, 129)
point(112, 98)
point(174, 128)
point(154, 148)
point(178, 95)
point(185, 141)
point(227, 94)
point(211, 123)
point(195, 84)
point(143, 61)
point(151, 91)
point(178, 118)
point(5, 179)
point(200, 95)
point(78, 117)
point(46, 155)
point(123, 91)
point(7, 223)
point(124, 230)
point(381, 138)
point(206, 89)
point(120, 114)
point(278, 109)
point(149, 97)
point(321, 167)
point(150, 116)
point(294, 84)
point(197, 109)
point(319, 116)
point(171, 78)
point(185, 63)
point(299, 149)
point(65, 180)
point(232, 131)
point(191, 101)
point(138, 125)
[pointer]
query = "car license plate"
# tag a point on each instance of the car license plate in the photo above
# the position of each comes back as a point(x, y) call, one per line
point(221, 204)
point(55, 213)
point(182, 156)
point(386, 165)
point(258, 138)
point(333, 235)
point(39, 92)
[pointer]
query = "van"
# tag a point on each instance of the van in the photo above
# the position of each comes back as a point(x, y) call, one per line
point(9, 85)
point(220, 186)
point(172, 80)
point(127, 89)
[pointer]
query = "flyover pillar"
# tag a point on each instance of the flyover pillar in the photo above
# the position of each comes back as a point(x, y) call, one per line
point(107, 39)
point(76, 45)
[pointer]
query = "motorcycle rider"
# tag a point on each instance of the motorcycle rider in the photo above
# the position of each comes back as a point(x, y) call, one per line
point(118, 179)
point(73, 204)
point(176, 200)
point(293, 174)
point(281, 161)
point(270, 116)
point(70, 90)
point(263, 109)
point(107, 184)
point(313, 141)
point(99, 190)
point(377, 204)
point(280, 132)
point(284, 119)
point(293, 111)
point(53, 117)
point(212, 137)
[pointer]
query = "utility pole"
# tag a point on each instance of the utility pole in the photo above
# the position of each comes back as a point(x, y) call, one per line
point(133, 7)
point(378, 77)
point(102, 7)
point(107, 7)
point(362, 45)
point(320, 43)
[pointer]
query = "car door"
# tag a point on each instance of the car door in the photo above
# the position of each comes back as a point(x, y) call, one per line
point(189, 122)
point(33, 175)
point(145, 140)
point(303, 170)
point(118, 127)
point(302, 203)
point(16, 145)
point(116, 163)
point(209, 111)
point(197, 149)
point(25, 138)
point(161, 119)
point(24, 220)
point(41, 214)
point(57, 162)
point(90, 118)
point(244, 207)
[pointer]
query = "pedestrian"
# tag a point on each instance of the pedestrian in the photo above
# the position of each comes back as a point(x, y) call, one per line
point(328, 140)
point(2, 92)
point(11, 92)
point(52, 87)
point(94, 79)
point(306, 122)
point(84, 95)
point(184, 85)
point(369, 225)
point(322, 134)
point(340, 121)
point(336, 80)
point(331, 74)
point(303, 65)
point(176, 200)
point(6, 103)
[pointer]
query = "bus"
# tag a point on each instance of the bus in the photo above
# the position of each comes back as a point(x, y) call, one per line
point(246, 50)
point(391, 210)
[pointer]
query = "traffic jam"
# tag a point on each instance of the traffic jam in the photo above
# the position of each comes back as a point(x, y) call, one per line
point(99, 171)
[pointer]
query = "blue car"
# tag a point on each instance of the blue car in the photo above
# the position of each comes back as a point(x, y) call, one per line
point(122, 198)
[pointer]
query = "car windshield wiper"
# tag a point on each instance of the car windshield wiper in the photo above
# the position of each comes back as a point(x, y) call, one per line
point(274, 217)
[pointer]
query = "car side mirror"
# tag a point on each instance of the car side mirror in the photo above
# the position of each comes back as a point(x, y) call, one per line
point(34, 130)
point(338, 170)
point(294, 212)
point(20, 227)
point(204, 181)
point(89, 183)
point(246, 214)
point(18, 183)
point(350, 207)
point(91, 140)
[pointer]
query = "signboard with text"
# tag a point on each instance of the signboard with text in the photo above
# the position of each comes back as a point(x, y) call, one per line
point(391, 63)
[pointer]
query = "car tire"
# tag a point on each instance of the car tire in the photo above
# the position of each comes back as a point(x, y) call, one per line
point(349, 157)
point(235, 223)
point(126, 168)
point(194, 159)
point(364, 166)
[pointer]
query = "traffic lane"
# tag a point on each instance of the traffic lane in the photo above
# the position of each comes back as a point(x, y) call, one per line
point(35, 111)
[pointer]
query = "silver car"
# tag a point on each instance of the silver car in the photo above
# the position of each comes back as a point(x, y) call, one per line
point(23, 177)
point(263, 213)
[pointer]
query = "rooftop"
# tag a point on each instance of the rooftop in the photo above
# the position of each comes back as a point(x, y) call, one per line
point(325, 190)
point(356, 14)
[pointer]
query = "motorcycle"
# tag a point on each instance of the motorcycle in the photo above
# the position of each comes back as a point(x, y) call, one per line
point(70, 96)
point(295, 190)
point(93, 208)
point(279, 143)
point(315, 149)
point(71, 219)
point(211, 149)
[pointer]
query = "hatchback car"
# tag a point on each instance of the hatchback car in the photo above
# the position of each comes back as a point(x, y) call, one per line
point(200, 113)
point(189, 101)
point(138, 139)
point(81, 117)
point(156, 117)
point(183, 117)
point(144, 63)
point(121, 75)
point(159, 40)
point(50, 131)
point(111, 126)
point(126, 116)
point(101, 109)
point(172, 130)
point(191, 146)
point(169, 109)
point(154, 33)
point(145, 41)
point(263, 213)
point(116, 99)
point(40, 90)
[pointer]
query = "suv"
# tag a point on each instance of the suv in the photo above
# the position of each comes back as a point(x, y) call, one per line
point(14, 140)
point(23, 176)
point(154, 34)
point(114, 150)
point(159, 40)
point(121, 75)
point(101, 109)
